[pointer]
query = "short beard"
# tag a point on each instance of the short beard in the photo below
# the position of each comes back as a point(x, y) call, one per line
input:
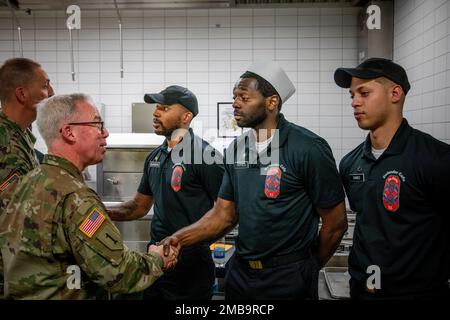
point(167, 132)
point(253, 120)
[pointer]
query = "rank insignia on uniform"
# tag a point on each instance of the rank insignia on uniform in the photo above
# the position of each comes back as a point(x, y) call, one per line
point(91, 224)
point(391, 193)
point(8, 181)
point(273, 182)
point(175, 182)
point(241, 164)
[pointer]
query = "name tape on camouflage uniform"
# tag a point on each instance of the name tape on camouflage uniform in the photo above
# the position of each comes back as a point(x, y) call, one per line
point(91, 224)
point(8, 181)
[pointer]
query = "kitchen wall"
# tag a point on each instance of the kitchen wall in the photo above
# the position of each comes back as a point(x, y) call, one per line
point(422, 46)
point(205, 50)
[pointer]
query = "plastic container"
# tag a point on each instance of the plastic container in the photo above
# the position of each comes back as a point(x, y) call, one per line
point(219, 253)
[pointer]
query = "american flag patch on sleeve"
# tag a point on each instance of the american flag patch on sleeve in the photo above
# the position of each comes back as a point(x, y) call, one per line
point(91, 224)
point(8, 181)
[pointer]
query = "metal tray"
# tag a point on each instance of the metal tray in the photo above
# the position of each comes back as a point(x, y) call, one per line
point(337, 279)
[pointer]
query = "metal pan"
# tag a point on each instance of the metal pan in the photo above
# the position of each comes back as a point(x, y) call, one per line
point(337, 280)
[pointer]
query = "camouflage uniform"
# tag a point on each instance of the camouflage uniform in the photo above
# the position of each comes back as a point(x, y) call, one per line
point(17, 157)
point(60, 222)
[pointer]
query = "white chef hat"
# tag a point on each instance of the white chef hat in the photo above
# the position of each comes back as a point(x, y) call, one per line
point(276, 76)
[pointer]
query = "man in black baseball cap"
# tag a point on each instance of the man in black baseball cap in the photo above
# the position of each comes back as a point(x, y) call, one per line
point(397, 183)
point(182, 187)
point(175, 95)
point(176, 107)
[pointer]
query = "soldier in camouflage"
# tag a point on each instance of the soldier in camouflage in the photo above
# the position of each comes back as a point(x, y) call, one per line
point(23, 84)
point(61, 225)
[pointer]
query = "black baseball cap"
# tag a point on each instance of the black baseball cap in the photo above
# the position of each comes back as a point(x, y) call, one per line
point(373, 68)
point(173, 95)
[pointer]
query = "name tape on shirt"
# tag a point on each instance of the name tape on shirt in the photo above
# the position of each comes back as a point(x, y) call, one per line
point(8, 181)
point(356, 177)
point(91, 224)
point(154, 164)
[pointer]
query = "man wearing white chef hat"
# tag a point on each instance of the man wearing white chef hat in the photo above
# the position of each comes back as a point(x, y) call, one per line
point(278, 203)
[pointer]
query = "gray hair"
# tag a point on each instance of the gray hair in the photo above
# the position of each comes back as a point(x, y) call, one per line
point(54, 111)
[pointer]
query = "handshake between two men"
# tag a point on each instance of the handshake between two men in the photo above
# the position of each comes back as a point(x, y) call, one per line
point(168, 253)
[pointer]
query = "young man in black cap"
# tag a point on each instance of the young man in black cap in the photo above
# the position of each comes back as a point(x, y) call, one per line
point(277, 203)
point(397, 182)
point(182, 187)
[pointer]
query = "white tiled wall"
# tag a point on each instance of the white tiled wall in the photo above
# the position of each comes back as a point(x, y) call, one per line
point(205, 50)
point(422, 46)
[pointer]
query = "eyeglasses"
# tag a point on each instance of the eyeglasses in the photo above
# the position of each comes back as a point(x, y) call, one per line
point(98, 124)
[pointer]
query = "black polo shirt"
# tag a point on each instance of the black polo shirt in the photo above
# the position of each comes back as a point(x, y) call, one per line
point(182, 191)
point(275, 202)
point(402, 221)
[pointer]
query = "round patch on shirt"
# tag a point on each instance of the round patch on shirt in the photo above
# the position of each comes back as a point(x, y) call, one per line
point(391, 193)
point(273, 182)
point(177, 174)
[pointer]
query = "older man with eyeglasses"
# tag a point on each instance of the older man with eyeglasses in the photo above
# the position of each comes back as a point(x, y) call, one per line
point(61, 243)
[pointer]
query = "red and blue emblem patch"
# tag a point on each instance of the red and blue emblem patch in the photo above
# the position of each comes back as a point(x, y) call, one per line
point(391, 193)
point(177, 174)
point(273, 182)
